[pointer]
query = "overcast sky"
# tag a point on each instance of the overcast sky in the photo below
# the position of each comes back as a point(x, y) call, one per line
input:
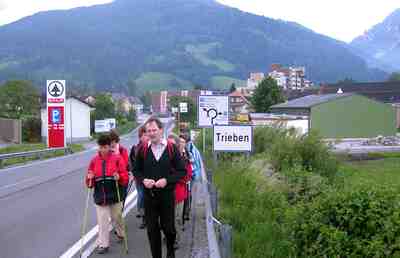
point(340, 19)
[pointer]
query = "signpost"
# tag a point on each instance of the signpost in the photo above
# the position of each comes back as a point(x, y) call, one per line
point(103, 126)
point(183, 107)
point(55, 113)
point(233, 138)
point(213, 110)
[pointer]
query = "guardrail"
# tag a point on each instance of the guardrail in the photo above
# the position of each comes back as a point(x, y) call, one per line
point(219, 234)
point(35, 153)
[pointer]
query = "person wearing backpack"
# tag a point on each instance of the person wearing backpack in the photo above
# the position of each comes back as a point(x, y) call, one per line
point(195, 158)
point(105, 171)
point(143, 139)
point(181, 189)
point(159, 166)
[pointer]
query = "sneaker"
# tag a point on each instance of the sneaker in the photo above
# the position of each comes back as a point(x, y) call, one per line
point(102, 250)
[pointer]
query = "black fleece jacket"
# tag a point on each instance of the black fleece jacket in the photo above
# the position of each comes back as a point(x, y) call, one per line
point(170, 168)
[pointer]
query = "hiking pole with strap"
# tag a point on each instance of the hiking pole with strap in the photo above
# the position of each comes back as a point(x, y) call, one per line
point(122, 220)
point(127, 193)
point(85, 215)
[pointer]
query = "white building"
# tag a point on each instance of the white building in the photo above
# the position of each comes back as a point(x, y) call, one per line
point(292, 78)
point(77, 114)
point(254, 80)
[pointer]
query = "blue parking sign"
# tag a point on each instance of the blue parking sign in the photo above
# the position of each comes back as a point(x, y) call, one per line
point(56, 116)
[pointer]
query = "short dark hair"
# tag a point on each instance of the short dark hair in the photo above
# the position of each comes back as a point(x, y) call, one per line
point(185, 137)
point(141, 131)
point(104, 139)
point(155, 120)
point(114, 136)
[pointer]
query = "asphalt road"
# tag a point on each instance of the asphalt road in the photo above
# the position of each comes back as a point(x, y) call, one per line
point(42, 205)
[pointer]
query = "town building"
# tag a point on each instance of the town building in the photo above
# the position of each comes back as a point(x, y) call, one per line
point(343, 115)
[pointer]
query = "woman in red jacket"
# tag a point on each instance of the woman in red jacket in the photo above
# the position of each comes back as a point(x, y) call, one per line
point(104, 170)
point(181, 191)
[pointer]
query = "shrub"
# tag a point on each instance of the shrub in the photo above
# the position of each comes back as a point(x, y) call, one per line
point(362, 222)
point(31, 129)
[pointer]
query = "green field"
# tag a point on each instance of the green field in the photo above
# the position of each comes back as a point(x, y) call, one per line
point(225, 82)
point(201, 53)
point(384, 171)
point(161, 81)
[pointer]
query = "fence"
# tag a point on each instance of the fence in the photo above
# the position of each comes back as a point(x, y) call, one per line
point(37, 153)
point(222, 232)
point(11, 130)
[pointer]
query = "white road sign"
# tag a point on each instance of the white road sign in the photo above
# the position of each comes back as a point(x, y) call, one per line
point(213, 110)
point(230, 138)
point(183, 106)
point(174, 110)
point(102, 126)
point(55, 92)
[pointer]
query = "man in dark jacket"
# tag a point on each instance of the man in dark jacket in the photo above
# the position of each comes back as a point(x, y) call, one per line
point(159, 166)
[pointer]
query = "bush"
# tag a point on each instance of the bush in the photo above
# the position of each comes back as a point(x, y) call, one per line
point(31, 129)
point(362, 222)
point(287, 149)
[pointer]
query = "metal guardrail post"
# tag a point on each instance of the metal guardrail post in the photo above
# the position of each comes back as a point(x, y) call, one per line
point(226, 241)
point(214, 199)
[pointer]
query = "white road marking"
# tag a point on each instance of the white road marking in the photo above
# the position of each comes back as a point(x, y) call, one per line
point(19, 182)
point(73, 250)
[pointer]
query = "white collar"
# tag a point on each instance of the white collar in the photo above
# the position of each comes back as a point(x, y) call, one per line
point(162, 142)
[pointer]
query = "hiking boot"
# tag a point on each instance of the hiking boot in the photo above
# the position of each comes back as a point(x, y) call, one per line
point(176, 245)
point(101, 250)
point(171, 254)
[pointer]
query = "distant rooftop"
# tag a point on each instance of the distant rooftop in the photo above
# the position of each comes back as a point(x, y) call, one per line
point(310, 100)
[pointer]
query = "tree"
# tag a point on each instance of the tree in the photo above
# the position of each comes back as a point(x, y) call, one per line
point(191, 115)
point(132, 87)
point(146, 99)
point(266, 94)
point(346, 81)
point(394, 77)
point(18, 99)
point(104, 107)
point(198, 87)
point(233, 88)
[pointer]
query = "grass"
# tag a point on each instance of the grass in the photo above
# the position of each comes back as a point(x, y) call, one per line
point(200, 53)
point(258, 208)
point(381, 171)
point(32, 147)
point(161, 81)
point(225, 82)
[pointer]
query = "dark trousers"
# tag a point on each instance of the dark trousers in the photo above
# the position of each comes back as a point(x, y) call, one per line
point(159, 210)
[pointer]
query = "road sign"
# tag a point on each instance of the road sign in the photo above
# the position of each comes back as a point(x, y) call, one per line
point(183, 107)
point(55, 113)
point(103, 126)
point(233, 138)
point(174, 110)
point(213, 110)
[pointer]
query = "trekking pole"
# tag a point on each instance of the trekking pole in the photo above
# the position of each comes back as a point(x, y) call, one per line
point(85, 215)
point(122, 220)
point(127, 193)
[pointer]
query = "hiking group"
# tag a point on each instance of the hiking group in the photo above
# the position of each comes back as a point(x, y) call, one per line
point(163, 171)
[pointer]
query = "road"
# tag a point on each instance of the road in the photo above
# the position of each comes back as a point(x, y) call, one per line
point(42, 205)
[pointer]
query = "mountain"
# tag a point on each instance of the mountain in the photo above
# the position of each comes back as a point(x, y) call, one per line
point(380, 45)
point(166, 43)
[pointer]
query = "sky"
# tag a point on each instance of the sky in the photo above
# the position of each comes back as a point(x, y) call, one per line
point(339, 19)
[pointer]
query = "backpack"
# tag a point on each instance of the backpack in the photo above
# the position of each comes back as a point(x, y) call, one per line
point(170, 149)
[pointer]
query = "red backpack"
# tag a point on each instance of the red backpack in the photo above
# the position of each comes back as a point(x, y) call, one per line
point(170, 149)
